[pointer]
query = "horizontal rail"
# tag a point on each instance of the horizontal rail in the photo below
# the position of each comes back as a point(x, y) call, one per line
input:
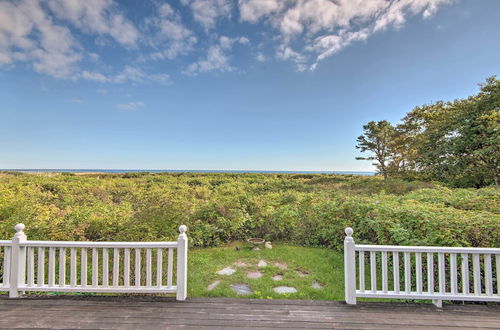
point(109, 289)
point(426, 296)
point(5, 243)
point(130, 245)
point(435, 249)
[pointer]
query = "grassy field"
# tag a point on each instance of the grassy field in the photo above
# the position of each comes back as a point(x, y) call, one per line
point(303, 267)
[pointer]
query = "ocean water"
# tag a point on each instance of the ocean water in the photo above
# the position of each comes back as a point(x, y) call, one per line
point(72, 170)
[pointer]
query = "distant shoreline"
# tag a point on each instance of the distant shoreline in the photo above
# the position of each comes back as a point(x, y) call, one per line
point(96, 171)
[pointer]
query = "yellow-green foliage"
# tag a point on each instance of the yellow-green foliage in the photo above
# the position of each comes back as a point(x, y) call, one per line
point(304, 209)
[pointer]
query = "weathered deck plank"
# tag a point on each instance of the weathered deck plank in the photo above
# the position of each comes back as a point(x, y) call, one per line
point(199, 313)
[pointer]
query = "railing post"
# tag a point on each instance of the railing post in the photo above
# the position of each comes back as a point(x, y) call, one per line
point(349, 267)
point(182, 246)
point(18, 261)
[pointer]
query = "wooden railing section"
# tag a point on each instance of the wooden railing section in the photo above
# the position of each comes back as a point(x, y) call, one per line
point(420, 272)
point(114, 267)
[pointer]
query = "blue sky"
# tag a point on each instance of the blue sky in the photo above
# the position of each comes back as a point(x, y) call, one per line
point(220, 84)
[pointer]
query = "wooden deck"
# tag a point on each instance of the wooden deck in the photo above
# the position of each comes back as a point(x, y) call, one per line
point(214, 313)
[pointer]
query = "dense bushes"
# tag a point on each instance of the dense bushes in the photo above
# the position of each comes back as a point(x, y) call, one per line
point(303, 209)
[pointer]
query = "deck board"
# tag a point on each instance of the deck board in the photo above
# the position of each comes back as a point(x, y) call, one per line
point(149, 312)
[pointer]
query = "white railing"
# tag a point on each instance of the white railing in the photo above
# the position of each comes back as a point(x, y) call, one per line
point(386, 276)
point(115, 267)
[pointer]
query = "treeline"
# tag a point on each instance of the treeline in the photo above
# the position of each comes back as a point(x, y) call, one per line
point(455, 142)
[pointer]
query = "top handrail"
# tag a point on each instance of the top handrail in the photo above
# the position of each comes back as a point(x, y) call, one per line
point(5, 243)
point(436, 249)
point(83, 244)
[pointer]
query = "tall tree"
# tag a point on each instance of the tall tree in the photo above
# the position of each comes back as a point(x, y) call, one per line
point(376, 139)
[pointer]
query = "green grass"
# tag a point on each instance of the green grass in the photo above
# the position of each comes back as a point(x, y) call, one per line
point(323, 265)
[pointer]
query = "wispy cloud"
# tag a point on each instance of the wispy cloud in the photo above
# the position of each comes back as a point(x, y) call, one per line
point(130, 106)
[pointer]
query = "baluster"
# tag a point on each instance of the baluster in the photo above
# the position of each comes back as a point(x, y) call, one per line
point(41, 267)
point(52, 266)
point(395, 269)
point(362, 271)
point(62, 266)
point(95, 268)
point(442, 275)
point(373, 271)
point(31, 267)
point(105, 267)
point(477, 273)
point(170, 266)
point(83, 270)
point(126, 268)
point(488, 276)
point(465, 273)
point(159, 267)
point(430, 272)
point(407, 272)
point(6, 265)
point(453, 273)
point(384, 272)
point(116, 266)
point(72, 267)
point(497, 262)
point(137, 267)
point(148, 268)
point(418, 271)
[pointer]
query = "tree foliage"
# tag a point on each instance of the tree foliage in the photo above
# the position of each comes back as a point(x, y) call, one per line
point(457, 142)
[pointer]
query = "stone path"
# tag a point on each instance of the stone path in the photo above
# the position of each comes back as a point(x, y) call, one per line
point(254, 274)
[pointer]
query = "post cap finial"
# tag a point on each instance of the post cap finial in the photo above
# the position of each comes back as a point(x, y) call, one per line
point(348, 231)
point(19, 227)
point(182, 229)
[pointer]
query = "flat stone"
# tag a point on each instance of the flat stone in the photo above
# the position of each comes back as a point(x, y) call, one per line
point(284, 289)
point(277, 277)
point(226, 271)
point(212, 285)
point(302, 273)
point(281, 265)
point(262, 263)
point(241, 289)
point(240, 264)
point(256, 248)
point(254, 274)
point(317, 285)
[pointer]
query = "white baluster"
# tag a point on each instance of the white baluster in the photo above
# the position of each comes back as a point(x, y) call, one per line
point(488, 276)
point(465, 273)
point(477, 273)
point(126, 268)
point(62, 266)
point(170, 267)
point(362, 271)
point(407, 272)
point(72, 267)
point(31, 267)
point(137, 267)
point(159, 267)
point(148, 268)
point(41, 267)
point(83, 270)
point(384, 272)
point(105, 267)
point(430, 272)
point(442, 275)
point(453, 273)
point(395, 269)
point(52, 267)
point(373, 271)
point(116, 267)
point(418, 271)
point(95, 268)
point(6, 265)
point(497, 262)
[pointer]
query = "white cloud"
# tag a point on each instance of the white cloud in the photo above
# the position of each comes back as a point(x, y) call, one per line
point(128, 74)
point(324, 27)
point(96, 16)
point(169, 35)
point(130, 106)
point(261, 57)
point(217, 58)
point(206, 12)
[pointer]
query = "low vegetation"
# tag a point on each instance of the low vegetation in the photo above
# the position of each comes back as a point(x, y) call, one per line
point(306, 210)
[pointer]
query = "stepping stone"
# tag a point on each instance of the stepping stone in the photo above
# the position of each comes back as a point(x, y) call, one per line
point(240, 264)
point(281, 265)
point(254, 275)
point(226, 271)
point(284, 289)
point(277, 277)
point(241, 289)
point(317, 285)
point(256, 248)
point(262, 263)
point(213, 285)
point(302, 273)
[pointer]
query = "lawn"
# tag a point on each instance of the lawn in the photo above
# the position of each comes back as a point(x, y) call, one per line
point(304, 266)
